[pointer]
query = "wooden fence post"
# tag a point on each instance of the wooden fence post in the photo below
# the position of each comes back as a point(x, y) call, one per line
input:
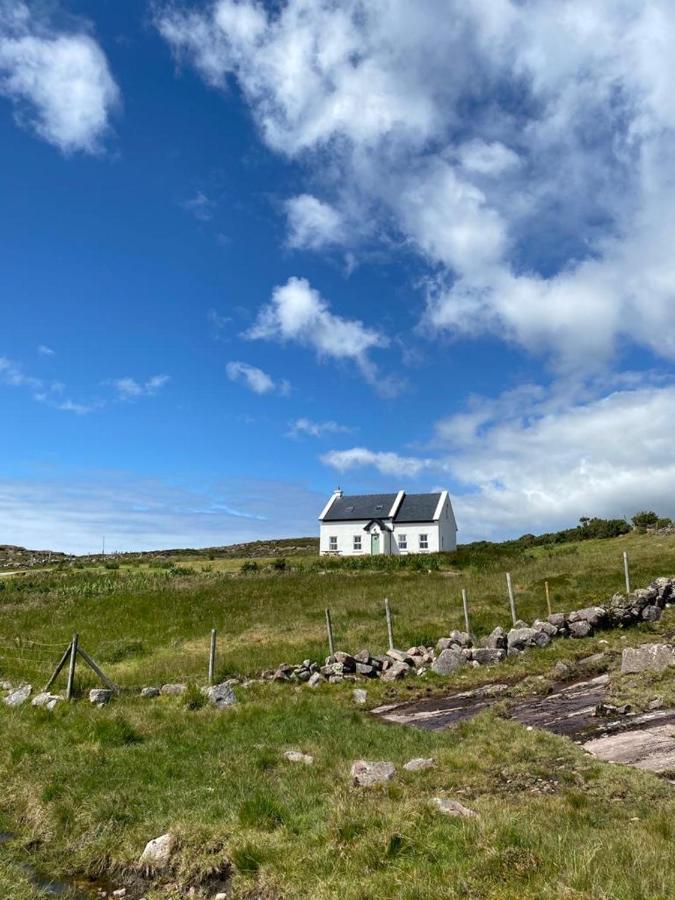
point(329, 630)
point(61, 663)
point(512, 601)
point(212, 656)
point(71, 667)
point(548, 598)
point(465, 604)
point(626, 572)
point(390, 632)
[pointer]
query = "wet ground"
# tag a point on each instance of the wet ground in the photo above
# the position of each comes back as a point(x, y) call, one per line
point(575, 710)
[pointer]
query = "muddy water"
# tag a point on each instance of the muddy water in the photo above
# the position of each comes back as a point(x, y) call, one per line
point(54, 887)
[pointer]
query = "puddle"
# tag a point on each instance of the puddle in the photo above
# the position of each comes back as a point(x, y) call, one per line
point(54, 887)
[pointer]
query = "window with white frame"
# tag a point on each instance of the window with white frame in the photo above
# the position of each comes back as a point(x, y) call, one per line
point(403, 542)
point(332, 542)
point(424, 542)
point(357, 542)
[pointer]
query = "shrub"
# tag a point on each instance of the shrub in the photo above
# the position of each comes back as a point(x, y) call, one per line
point(193, 698)
point(249, 567)
point(645, 519)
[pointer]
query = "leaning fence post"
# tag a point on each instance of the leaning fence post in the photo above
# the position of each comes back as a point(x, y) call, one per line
point(329, 630)
point(548, 598)
point(71, 667)
point(212, 656)
point(626, 572)
point(465, 604)
point(390, 633)
point(512, 601)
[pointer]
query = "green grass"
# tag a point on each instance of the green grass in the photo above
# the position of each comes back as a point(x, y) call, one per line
point(83, 789)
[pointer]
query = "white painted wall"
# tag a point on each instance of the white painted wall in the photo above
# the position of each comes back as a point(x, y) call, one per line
point(442, 535)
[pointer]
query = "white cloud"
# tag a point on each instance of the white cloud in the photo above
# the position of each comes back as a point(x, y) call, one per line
point(537, 459)
point(255, 379)
point(312, 224)
point(44, 350)
point(59, 81)
point(524, 150)
point(72, 513)
point(200, 206)
point(310, 428)
point(130, 389)
point(390, 464)
point(298, 313)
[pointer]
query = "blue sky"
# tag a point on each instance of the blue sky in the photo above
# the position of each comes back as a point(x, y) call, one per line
point(251, 251)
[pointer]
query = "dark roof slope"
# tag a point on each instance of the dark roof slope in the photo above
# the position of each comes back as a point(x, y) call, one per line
point(413, 508)
point(417, 508)
point(360, 506)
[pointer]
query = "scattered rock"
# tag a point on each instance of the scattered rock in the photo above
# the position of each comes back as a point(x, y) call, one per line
point(419, 764)
point(648, 657)
point(594, 615)
point(45, 700)
point(314, 679)
point(173, 690)
point(367, 774)
point(651, 613)
point(157, 854)
point(360, 696)
point(595, 659)
point(297, 757)
point(497, 639)
point(656, 703)
point(150, 692)
point(487, 656)
point(580, 629)
point(221, 695)
point(448, 661)
point(453, 808)
point(396, 671)
point(520, 638)
point(561, 669)
point(100, 696)
point(18, 696)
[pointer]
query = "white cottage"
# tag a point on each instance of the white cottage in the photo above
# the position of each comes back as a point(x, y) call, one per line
point(370, 524)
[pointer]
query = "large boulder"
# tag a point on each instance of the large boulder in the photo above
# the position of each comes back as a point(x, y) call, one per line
point(497, 639)
point(221, 695)
point(651, 613)
point(488, 656)
point(647, 658)
point(419, 764)
point(594, 615)
point(395, 671)
point(45, 700)
point(453, 808)
point(157, 854)
point(580, 629)
point(519, 638)
point(448, 661)
point(18, 696)
point(174, 689)
point(100, 696)
point(367, 774)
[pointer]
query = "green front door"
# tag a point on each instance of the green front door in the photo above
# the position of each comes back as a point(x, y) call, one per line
point(375, 543)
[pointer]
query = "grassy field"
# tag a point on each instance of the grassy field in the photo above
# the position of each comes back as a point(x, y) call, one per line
point(84, 789)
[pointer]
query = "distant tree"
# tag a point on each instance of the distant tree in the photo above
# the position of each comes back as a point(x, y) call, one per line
point(645, 519)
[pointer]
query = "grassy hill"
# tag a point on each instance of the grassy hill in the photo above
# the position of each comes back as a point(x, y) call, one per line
point(84, 789)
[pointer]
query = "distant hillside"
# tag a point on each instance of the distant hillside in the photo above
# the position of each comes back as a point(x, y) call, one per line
point(12, 557)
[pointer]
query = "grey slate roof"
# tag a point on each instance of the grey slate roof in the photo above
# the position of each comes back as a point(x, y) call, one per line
point(417, 508)
point(360, 506)
point(413, 508)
